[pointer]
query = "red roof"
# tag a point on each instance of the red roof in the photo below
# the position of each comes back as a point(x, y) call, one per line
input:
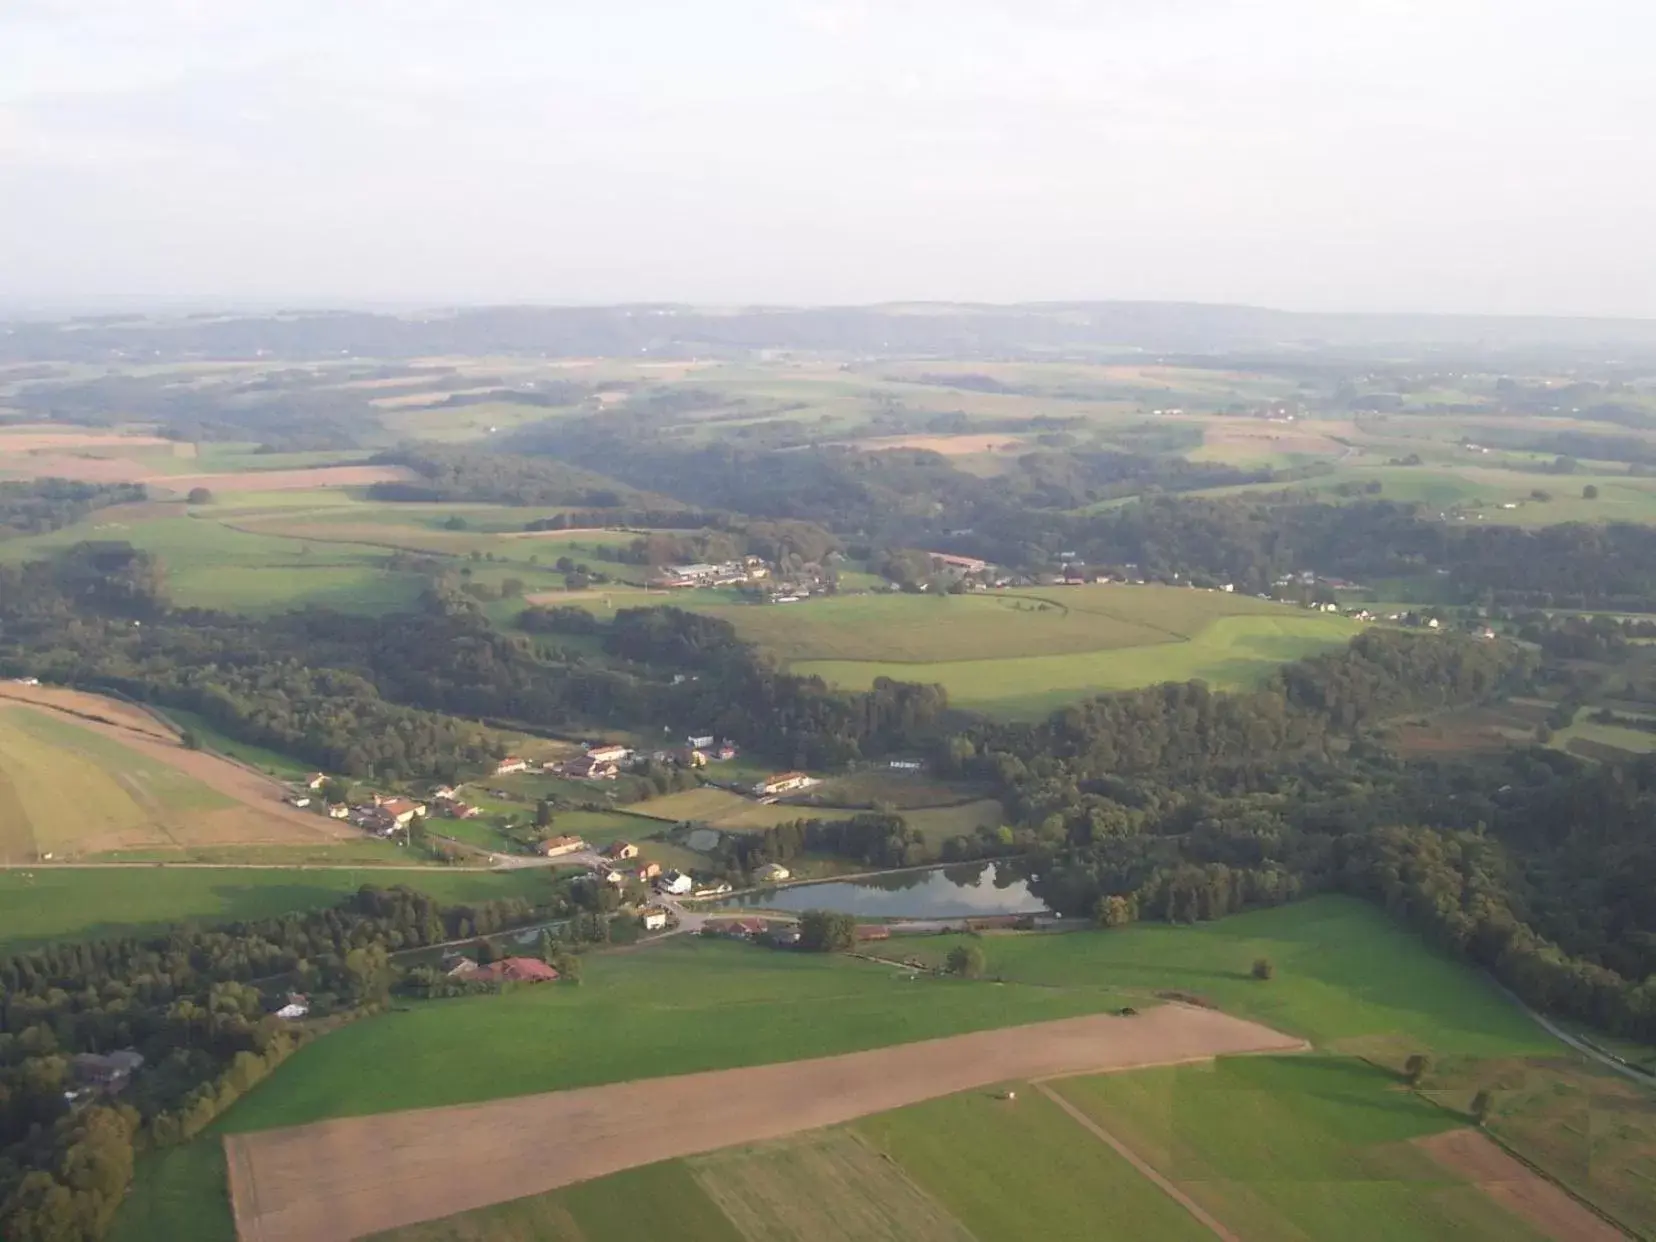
point(517, 970)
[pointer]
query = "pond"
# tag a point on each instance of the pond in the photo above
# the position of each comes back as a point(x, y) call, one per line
point(944, 893)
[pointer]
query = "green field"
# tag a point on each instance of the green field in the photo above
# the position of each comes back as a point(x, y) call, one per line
point(680, 1007)
point(1313, 1147)
point(1230, 653)
point(63, 786)
point(48, 903)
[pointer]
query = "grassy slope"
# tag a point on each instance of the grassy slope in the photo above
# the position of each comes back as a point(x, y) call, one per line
point(55, 903)
point(60, 784)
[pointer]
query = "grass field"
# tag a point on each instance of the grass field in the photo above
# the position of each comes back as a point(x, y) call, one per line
point(680, 1007)
point(56, 903)
point(1312, 1147)
point(1230, 653)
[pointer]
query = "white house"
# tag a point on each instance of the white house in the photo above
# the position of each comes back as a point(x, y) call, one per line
point(655, 920)
point(699, 741)
point(907, 765)
point(770, 873)
point(297, 1007)
point(608, 754)
point(676, 883)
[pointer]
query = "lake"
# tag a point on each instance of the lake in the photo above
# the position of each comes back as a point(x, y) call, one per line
point(944, 893)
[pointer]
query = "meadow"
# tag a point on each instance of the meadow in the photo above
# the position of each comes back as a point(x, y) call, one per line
point(57, 903)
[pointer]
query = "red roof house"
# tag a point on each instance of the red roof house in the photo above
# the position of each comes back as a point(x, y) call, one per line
point(515, 970)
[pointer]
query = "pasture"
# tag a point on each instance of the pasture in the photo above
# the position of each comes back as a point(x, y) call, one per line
point(86, 903)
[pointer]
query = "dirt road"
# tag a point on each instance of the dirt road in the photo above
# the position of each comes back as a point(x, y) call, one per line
point(338, 1180)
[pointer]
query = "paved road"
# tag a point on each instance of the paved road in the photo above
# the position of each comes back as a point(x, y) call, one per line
point(1580, 1045)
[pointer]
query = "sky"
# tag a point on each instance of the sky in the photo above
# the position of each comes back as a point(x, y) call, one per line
point(1489, 156)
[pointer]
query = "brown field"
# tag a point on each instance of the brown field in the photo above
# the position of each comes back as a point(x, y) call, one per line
point(1224, 438)
point(338, 1180)
point(1511, 1184)
point(30, 438)
point(288, 480)
point(949, 446)
point(572, 532)
point(260, 818)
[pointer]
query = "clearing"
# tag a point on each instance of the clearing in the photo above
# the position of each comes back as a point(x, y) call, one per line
point(341, 1179)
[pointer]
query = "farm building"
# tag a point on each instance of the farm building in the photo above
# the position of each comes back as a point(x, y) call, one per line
point(654, 919)
point(648, 871)
point(611, 875)
point(873, 931)
point(965, 564)
point(444, 793)
point(586, 768)
point(737, 929)
point(460, 810)
point(621, 850)
point(676, 883)
point(515, 970)
point(552, 847)
point(770, 873)
point(298, 1005)
point(339, 810)
point(400, 810)
point(456, 965)
point(907, 765)
point(109, 1072)
point(608, 754)
point(315, 781)
point(783, 782)
point(699, 741)
point(510, 764)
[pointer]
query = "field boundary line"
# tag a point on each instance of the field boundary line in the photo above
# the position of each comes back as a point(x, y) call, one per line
point(1139, 1163)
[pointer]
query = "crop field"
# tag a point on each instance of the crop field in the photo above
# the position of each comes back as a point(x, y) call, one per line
point(55, 903)
point(76, 788)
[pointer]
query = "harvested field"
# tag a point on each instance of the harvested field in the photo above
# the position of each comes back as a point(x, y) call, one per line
point(30, 438)
point(160, 796)
point(287, 480)
point(338, 1180)
point(1516, 1188)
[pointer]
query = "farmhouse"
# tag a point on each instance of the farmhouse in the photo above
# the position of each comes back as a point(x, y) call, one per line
point(621, 850)
point(315, 781)
point(770, 873)
point(401, 811)
point(965, 564)
point(654, 919)
point(511, 763)
point(460, 810)
point(515, 970)
point(783, 782)
point(608, 754)
point(676, 883)
point(444, 793)
point(648, 871)
point(339, 810)
point(586, 768)
point(458, 965)
point(552, 847)
point(298, 1005)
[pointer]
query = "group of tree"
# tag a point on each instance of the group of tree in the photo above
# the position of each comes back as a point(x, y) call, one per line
point(37, 506)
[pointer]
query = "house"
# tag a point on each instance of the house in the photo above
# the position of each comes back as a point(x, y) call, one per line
point(654, 919)
point(444, 793)
point(676, 883)
point(401, 811)
point(608, 754)
point(783, 782)
point(699, 741)
point(515, 970)
point(315, 781)
point(339, 810)
point(611, 875)
point(965, 564)
point(109, 1072)
point(620, 850)
point(299, 800)
point(739, 929)
point(688, 758)
point(298, 1005)
point(770, 873)
point(648, 872)
point(907, 765)
point(726, 752)
point(457, 965)
point(586, 768)
point(552, 847)
point(511, 763)
point(460, 810)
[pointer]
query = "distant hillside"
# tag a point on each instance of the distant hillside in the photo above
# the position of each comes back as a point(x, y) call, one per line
point(940, 329)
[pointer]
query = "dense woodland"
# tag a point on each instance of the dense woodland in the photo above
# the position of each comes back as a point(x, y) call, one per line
point(36, 506)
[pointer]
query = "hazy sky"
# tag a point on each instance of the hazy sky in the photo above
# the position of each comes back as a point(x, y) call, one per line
point(1470, 155)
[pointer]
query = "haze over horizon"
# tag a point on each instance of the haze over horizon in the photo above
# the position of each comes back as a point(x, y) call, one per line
point(1378, 155)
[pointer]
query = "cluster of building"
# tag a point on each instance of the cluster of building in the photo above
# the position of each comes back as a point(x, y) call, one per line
point(605, 762)
point(726, 573)
point(506, 970)
point(783, 783)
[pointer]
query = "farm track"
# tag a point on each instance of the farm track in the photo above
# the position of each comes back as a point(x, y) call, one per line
point(338, 1180)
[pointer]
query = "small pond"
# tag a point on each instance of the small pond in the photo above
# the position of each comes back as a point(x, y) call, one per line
point(943, 893)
